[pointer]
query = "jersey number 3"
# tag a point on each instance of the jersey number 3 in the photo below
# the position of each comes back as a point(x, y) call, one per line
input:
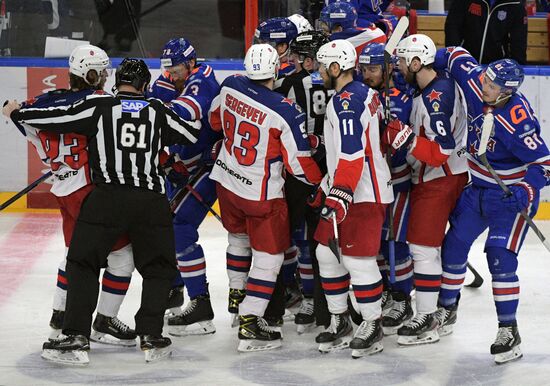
point(249, 134)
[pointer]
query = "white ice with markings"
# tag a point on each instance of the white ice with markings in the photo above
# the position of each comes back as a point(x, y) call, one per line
point(31, 246)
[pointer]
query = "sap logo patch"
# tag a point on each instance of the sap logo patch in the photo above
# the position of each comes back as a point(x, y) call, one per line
point(133, 106)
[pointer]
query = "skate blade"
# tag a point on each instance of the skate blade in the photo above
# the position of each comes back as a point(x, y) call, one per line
point(338, 344)
point(250, 345)
point(445, 330)
point(512, 355)
point(391, 330)
point(100, 337)
point(425, 338)
point(157, 354)
point(303, 328)
point(235, 321)
point(373, 349)
point(74, 357)
point(199, 328)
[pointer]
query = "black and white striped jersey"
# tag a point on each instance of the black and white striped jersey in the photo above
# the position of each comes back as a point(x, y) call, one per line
point(125, 134)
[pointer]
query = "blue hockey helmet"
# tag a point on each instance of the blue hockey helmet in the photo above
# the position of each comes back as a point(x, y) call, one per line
point(339, 13)
point(275, 31)
point(372, 53)
point(177, 51)
point(506, 73)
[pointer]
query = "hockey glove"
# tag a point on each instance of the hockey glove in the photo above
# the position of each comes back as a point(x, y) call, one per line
point(174, 168)
point(315, 200)
point(336, 204)
point(397, 135)
point(522, 196)
point(210, 155)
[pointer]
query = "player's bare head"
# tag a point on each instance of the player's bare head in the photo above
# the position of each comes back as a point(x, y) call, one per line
point(337, 59)
point(132, 75)
point(178, 58)
point(304, 48)
point(372, 64)
point(501, 80)
point(261, 63)
point(415, 52)
point(89, 67)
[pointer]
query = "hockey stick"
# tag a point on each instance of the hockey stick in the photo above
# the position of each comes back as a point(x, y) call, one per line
point(26, 190)
point(486, 130)
point(334, 244)
point(180, 194)
point(396, 36)
point(204, 203)
point(478, 279)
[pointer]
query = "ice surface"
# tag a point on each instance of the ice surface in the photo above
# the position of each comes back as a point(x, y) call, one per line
point(31, 246)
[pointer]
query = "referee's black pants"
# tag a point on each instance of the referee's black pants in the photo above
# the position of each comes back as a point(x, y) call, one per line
point(108, 212)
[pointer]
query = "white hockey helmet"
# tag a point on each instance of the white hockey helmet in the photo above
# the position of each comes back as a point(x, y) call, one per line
point(301, 23)
point(416, 46)
point(261, 62)
point(86, 58)
point(337, 51)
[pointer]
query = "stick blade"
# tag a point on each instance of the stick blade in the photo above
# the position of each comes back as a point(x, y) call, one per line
point(397, 34)
point(486, 129)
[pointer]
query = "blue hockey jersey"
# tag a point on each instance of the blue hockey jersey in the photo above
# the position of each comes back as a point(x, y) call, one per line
point(515, 149)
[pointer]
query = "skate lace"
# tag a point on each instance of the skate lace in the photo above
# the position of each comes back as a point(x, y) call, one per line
point(504, 335)
point(118, 324)
point(418, 321)
point(397, 310)
point(262, 323)
point(306, 307)
point(334, 323)
point(190, 307)
point(442, 315)
point(365, 330)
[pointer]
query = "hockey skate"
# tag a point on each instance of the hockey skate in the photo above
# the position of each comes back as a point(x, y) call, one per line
point(387, 302)
point(446, 317)
point(196, 318)
point(236, 297)
point(353, 309)
point(367, 339)
point(155, 348)
point(305, 319)
point(422, 329)
point(69, 350)
point(506, 347)
point(292, 295)
point(56, 324)
point(256, 335)
point(338, 334)
point(112, 331)
point(399, 314)
point(175, 301)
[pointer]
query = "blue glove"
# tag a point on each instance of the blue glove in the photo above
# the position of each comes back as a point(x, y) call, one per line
point(174, 168)
point(522, 196)
point(210, 155)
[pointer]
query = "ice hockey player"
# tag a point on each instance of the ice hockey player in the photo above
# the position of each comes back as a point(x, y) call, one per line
point(435, 145)
point(306, 88)
point(67, 155)
point(128, 199)
point(368, 11)
point(396, 300)
point(279, 32)
point(521, 158)
point(358, 190)
point(264, 133)
point(189, 87)
point(339, 20)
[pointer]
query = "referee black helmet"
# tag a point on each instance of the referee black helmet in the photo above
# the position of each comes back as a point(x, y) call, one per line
point(132, 72)
point(306, 44)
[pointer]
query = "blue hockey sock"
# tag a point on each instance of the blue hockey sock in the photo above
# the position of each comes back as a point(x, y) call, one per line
point(503, 264)
point(290, 264)
point(192, 267)
point(454, 258)
point(305, 267)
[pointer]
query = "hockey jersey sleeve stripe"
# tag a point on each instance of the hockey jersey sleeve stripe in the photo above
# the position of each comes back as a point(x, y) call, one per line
point(166, 85)
point(475, 89)
point(505, 124)
point(207, 70)
point(193, 107)
point(429, 152)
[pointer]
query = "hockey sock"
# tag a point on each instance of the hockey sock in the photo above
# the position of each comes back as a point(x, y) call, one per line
point(367, 285)
point(305, 267)
point(454, 256)
point(503, 264)
point(427, 277)
point(290, 264)
point(334, 278)
point(261, 282)
point(403, 266)
point(60, 295)
point(192, 267)
point(239, 258)
point(116, 280)
point(383, 269)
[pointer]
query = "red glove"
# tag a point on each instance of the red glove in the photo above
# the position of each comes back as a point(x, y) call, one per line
point(397, 135)
point(210, 155)
point(315, 141)
point(174, 168)
point(316, 198)
point(336, 204)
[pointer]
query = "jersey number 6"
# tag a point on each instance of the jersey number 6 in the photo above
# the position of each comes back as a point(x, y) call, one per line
point(250, 136)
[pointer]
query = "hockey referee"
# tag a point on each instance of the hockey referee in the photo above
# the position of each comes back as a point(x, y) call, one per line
point(126, 133)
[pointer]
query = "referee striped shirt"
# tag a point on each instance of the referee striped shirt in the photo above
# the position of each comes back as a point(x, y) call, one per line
point(125, 133)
